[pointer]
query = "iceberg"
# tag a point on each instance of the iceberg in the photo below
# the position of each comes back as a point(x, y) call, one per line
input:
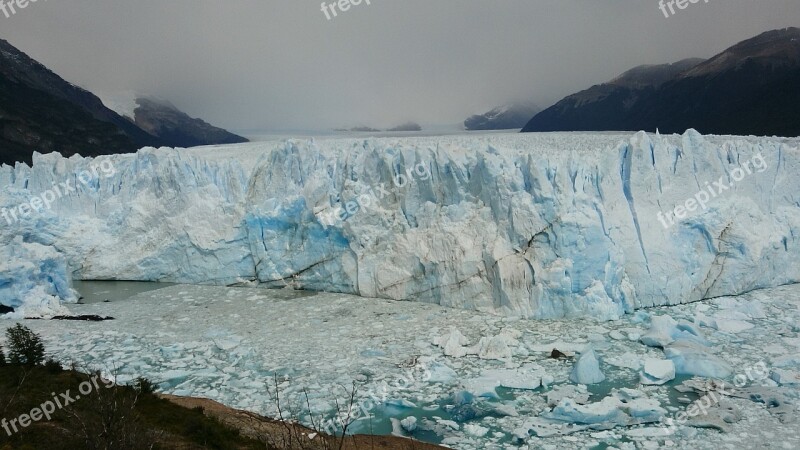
point(534, 226)
point(690, 358)
point(587, 369)
point(657, 371)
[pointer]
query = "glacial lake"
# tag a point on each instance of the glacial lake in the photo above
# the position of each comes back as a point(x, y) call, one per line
point(113, 291)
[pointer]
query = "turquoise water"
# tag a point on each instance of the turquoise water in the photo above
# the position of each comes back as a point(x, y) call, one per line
point(380, 424)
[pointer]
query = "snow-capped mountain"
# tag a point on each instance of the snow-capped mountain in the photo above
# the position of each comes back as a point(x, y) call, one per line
point(40, 111)
point(535, 226)
point(160, 118)
point(508, 117)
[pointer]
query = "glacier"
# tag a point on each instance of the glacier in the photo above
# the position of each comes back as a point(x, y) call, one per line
point(534, 226)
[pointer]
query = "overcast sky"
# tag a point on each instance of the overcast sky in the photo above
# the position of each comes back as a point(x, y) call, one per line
point(280, 64)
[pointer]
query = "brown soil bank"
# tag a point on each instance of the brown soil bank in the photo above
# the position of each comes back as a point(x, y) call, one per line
point(281, 435)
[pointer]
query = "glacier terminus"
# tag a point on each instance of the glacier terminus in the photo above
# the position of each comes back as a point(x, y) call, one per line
point(537, 226)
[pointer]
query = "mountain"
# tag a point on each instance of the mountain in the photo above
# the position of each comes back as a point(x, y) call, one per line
point(40, 111)
point(162, 119)
point(359, 129)
point(408, 126)
point(602, 107)
point(750, 88)
point(653, 76)
point(508, 117)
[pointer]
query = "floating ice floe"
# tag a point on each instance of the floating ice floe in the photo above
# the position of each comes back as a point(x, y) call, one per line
point(686, 346)
point(694, 359)
point(453, 343)
point(664, 330)
point(625, 407)
point(502, 346)
point(525, 378)
point(578, 394)
point(409, 424)
point(657, 371)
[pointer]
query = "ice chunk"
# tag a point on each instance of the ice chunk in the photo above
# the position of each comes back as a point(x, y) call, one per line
point(665, 330)
point(606, 411)
point(409, 424)
point(486, 385)
point(657, 371)
point(441, 373)
point(474, 429)
point(732, 325)
point(692, 359)
point(453, 343)
point(646, 410)
point(578, 394)
point(498, 347)
point(587, 369)
point(627, 360)
point(623, 407)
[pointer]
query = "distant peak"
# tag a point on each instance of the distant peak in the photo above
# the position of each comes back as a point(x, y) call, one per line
point(654, 74)
point(772, 48)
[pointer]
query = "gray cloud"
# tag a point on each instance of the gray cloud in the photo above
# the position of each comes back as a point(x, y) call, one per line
point(279, 64)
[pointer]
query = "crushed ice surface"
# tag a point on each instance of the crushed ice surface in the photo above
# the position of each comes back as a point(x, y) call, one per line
point(228, 344)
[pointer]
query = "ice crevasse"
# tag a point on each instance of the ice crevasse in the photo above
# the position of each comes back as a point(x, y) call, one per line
point(534, 226)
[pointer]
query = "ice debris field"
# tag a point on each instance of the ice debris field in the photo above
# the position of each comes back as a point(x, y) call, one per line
point(468, 380)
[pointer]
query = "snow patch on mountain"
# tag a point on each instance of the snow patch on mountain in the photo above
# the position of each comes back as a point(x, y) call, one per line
point(123, 103)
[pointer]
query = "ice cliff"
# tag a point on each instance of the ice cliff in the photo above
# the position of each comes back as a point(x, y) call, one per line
point(535, 226)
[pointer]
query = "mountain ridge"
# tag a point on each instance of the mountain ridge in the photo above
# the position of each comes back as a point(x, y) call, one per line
point(42, 112)
point(507, 117)
point(752, 87)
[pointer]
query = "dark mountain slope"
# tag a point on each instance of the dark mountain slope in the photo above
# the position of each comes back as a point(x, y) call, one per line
point(162, 119)
point(33, 120)
point(40, 111)
point(604, 107)
point(750, 88)
point(503, 118)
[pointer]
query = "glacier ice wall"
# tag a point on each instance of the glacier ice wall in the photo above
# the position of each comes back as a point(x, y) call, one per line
point(34, 280)
point(536, 226)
